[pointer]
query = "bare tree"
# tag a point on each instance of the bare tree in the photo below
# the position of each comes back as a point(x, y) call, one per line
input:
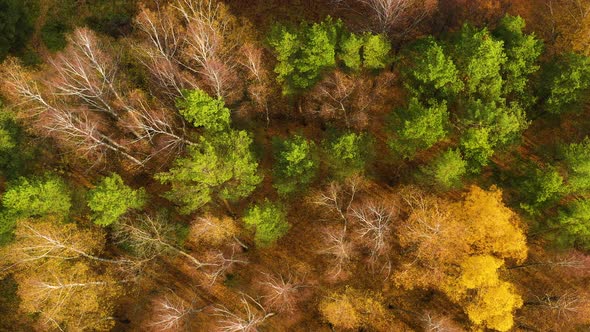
point(374, 223)
point(399, 15)
point(565, 305)
point(151, 237)
point(437, 323)
point(281, 293)
point(171, 313)
point(218, 262)
point(251, 316)
point(339, 248)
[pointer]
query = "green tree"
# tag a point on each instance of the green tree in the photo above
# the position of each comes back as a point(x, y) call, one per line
point(376, 50)
point(348, 153)
point(504, 122)
point(16, 25)
point(418, 127)
point(15, 154)
point(577, 162)
point(480, 59)
point(566, 82)
point(476, 148)
point(35, 197)
point(221, 165)
point(295, 165)
point(447, 169)
point(522, 52)
point(540, 188)
point(303, 53)
point(350, 51)
point(112, 198)
point(573, 222)
point(429, 71)
point(202, 110)
point(269, 222)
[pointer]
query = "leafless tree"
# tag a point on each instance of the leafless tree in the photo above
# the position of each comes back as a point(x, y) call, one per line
point(218, 262)
point(374, 225)
point(171, 313)
point(338, 247)
point(566, 304)
point(281, 293)
point(151, 237)
point(251, 316)
point(401, 15)
point(436, 323)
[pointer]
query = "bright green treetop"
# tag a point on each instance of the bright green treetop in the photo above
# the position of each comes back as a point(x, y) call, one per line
point(573, 222)
point(577, 161)
point(505, 122)
point(202, 110)
point(295, 165)
point(303, 53)
point(348, 153)
point(540, 188)
point(447, 169)
point(350, 50)
point(476, 147)
point(221, 165)
point(418, 127)
point(112, 198)
point(376, 51)
point(269, 222)
point(522, 52)
point(430, 72)
point(568, 80)
point(480, 58)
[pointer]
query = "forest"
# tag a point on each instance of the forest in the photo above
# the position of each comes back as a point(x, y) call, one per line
point(295, 165)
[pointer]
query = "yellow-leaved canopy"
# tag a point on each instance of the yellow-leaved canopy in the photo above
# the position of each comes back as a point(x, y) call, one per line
point(459, 247)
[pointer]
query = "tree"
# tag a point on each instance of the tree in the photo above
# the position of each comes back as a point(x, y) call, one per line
point(431, 73)
point(16, 27)
point(35, 197)
point(540, 188)
point(350, 50)
point(353, 309)
point(112, 198)
point(480, 58)
point(222, 165)
point(573, 223)
point(458, 247)
point(568, 78)
point(447, 169)
point(376, 51)
point(348, 153)
point(269, 222)
point(418, 127)
point(295, 165)
point(303, 53)
point(399, 16)
point(62, 279)
point(476, 147)
point(201, 110)
point(522, 52)
point(577, 161)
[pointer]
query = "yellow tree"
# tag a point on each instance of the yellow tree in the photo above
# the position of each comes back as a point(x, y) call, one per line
point(61, 276)
point(458, 248)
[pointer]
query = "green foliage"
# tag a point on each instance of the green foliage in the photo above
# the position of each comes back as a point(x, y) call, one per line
point(221, 165)
point(112, 198)
point(35, 197)
point(54, 33)
point(504, 122)
point(447, 169)
point(430, 72)
point(303, 53)
point(16, 25)
point(268, 220)
point(476, 147)
point(573, 222)
point(348, 153)
point(577, 162)
point(15, 154)
point(200, 109)
point(376, 51)
point(295, 165)
point(418, 127)
point(350, 50)
point(540, 188)
point(522, 52)
point(480, 59)
point(567, 80)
